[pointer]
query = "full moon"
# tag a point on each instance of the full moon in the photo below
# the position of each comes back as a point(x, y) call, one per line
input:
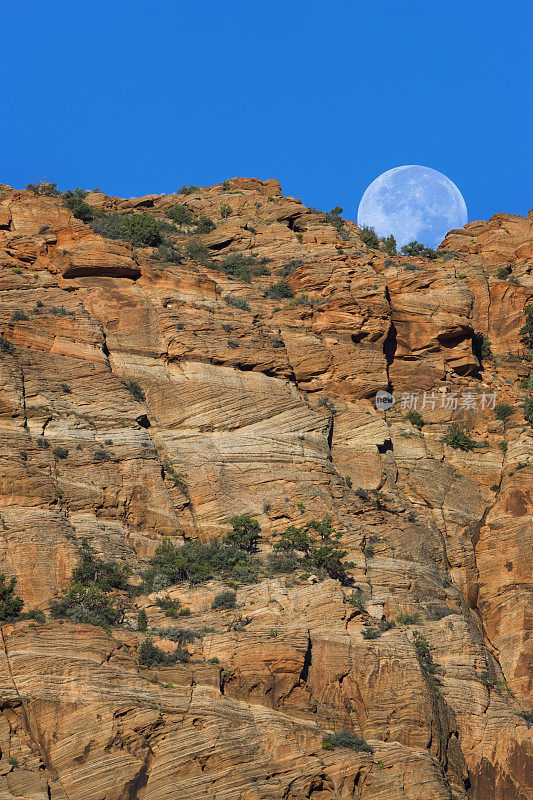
point(412, 203)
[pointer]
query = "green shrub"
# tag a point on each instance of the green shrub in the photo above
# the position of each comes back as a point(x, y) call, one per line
point(369, 237)
point(482, 346)
point(135, 390)
point(368, 551)
point(526, 331)
point(198, 562)
point(35, 614)
point(75, 201)
point(245, 533)
point(503, 273)
point(213, 660)
point(44, 188)
point(19, 316)
point(10, 603)
point(169, 253)
point(348, 481)
point(418, 250)
point(179, 214)
point(225, 210)
point(415, 418)
point(371, 633)
point(356, 599)
point(141, 230)
point(346, 739)
point(285, 563)
point(87, 598)
point(87, 604)
point(503, 446)
point(423, 652)
point(225, 600)
point(60, 452)
point(528, 410)
point(65, 388)
point(197, 251)
point(5, 345)
point(104, 575)
point(315, 541)
point(102, 455)
point(204, 224)
point(409, 619)
point(237, 302)
point(150, 655)
point(503, 411)
point(188, 189)
point(142, 620)
point(60, 311)
point(527, 716)
point(458, 438)
point(291, 266)
point(279, 291)
point(237, 266)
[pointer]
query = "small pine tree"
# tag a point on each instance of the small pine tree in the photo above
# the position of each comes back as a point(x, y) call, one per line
point(390, 245)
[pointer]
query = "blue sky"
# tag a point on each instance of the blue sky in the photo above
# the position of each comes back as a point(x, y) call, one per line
point(141, 97)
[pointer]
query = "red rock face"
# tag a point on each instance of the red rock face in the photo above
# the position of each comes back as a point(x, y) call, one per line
point(142, 400)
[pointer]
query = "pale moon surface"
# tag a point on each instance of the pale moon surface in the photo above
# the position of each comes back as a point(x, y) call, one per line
point(413, 203)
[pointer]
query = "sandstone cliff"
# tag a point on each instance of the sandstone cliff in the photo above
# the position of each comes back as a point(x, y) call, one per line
point(247, 400)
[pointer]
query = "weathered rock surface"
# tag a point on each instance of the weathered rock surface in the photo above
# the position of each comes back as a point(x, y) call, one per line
point(266, 409)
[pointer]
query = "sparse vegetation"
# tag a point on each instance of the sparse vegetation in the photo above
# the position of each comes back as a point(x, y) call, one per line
point(369, 237)
point(75, 201)
point(482, 346)
point(415, 418)
point(150, 655)
point(528, 410)
point(135, 390)
point(141, 230)
point(503, 411)
point(315, 541)
point(418, 250)
point(142, 620)
point(10, 603)
point(245, 533)
point(225, 600)
point(188, 189)
point(225, 210)
point(179, 214)
point(409, 619)
point(346, 739)
point(279, 291)
point(19, 316)
point(88, 598)
point(6, 346)
point(390, 245)
point(204, 224)
point(503, 273)
point(459, 438)
point(237, 302)
point(291, 266)
point(423, 652)
point(197, 251)
point(60, 452)
point(526, 331)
